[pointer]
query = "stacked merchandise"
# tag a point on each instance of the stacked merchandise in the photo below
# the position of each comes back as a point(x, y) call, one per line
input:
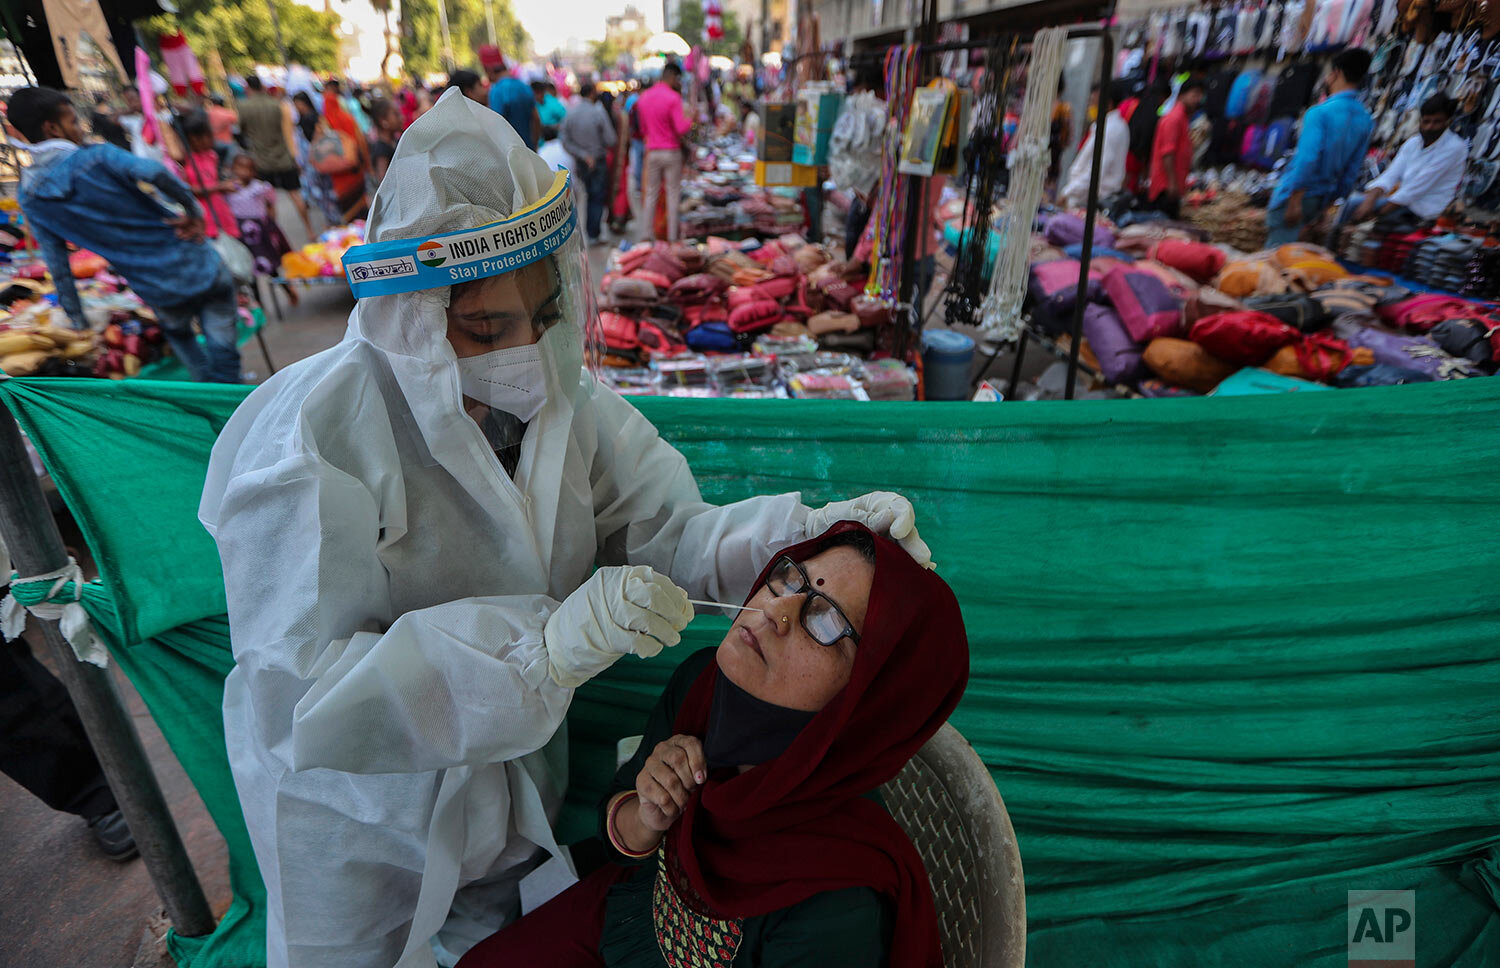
point(37, 338)
point(1229, 218)
point(1443, 262)
point(1261, 62)
point(324, 258)
point(720, 197)
point(746, 320)
point(1173, 316)
point(1483, 277)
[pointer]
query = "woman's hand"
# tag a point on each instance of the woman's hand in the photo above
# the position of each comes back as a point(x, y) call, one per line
point(674, 770)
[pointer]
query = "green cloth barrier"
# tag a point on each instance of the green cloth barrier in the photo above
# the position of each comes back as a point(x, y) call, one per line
point(1232, 658)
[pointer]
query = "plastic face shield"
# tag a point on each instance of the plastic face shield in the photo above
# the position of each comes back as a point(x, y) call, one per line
point(528, 270)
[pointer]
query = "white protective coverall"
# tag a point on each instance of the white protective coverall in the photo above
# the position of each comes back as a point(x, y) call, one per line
point(391, 723)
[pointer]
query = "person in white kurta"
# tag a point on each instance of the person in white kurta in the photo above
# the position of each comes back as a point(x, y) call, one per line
point(1426, 173)
point(409, 524)
point(1075, 192)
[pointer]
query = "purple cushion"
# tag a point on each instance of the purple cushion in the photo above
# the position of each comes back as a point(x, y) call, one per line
point(1407, 352)
point(1119, 356)
point(1054, 286)
point(1145, 304)
point(1065, 229)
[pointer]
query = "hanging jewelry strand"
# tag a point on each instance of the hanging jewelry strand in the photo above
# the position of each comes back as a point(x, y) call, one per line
point(1028, 159)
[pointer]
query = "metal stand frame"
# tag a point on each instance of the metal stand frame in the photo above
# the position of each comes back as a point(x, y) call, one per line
point(1100, 30)
point(37, 548)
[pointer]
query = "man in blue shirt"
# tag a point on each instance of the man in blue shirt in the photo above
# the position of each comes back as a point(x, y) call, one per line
point(92, 196)
point(511, 97)
point(1335, 135)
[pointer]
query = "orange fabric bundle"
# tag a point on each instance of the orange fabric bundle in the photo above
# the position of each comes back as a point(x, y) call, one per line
point(1184, 363)
point(1242, 278)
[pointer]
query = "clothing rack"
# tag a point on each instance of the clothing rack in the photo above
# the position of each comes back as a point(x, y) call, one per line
point(1091, 211)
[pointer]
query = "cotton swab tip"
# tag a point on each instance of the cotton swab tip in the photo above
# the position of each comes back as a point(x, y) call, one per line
point(743, 608)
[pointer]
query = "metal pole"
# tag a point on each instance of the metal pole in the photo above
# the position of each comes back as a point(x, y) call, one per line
point(37, 548)
point(442, 6)
point(276, 26)
point(1106, 71)
point(489, 19)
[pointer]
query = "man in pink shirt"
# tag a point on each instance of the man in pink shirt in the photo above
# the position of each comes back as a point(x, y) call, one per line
point(665, 126)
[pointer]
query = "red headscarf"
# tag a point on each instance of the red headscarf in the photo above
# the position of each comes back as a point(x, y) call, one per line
point(800, 824)
point(339, 119)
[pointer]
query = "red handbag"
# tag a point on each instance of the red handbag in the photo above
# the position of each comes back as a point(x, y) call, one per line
point(842, 296)
point(756, 316)
point(689, 255)
point(1198, 260)
point(767, 253)
point(1247, 339)
point(872, 312)
point(741, 296)
point(658, 341)
point(784, 266)
point(1420, 313)
point(712, 310)
point(621, 333)
point(631, 259)
point(664, 262)
point(696, 288)
point(778, 288)
point(1322, 355)
point(661, 282)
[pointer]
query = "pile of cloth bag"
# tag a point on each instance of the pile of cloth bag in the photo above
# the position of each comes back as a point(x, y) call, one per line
point(751, 320)
point(1168, 314)
point(38, 339)
point(659, 299)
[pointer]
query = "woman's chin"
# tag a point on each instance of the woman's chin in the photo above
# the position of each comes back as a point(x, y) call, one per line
point(737, 660)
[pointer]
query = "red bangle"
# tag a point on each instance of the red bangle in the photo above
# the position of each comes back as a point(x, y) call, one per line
point(615, 840)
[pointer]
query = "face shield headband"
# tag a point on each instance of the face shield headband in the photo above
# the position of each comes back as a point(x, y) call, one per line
point(440, 261)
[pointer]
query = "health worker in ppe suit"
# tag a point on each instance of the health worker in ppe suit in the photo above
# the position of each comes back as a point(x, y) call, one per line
point(409, 524)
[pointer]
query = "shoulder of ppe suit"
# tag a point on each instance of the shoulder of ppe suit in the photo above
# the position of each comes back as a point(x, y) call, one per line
point(330, 410)
point(622, 433)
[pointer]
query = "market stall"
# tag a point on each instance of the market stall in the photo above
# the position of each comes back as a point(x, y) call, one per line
point(123, 340)
point(748, 319)
point(1262, 64)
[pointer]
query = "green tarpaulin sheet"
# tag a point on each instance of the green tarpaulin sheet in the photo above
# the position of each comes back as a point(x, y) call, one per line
point(1232, 659)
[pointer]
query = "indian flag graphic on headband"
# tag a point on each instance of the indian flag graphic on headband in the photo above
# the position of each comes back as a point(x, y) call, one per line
point(431, 253)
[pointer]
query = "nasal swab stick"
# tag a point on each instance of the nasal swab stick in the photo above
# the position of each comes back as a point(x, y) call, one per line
point(743, 608)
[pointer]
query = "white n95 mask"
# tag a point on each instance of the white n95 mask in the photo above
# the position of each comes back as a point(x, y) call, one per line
point(511, 380)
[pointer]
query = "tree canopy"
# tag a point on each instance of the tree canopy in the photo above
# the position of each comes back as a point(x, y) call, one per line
point(690, 28)
point(422, 35)
point(241, 31)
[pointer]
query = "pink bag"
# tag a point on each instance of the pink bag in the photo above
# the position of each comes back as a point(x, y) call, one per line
point(1198, 260)
point(755, 316)
point(1420, 313)
point(1146, 307)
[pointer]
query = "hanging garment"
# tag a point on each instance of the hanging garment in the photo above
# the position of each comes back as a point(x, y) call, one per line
point(182, 64)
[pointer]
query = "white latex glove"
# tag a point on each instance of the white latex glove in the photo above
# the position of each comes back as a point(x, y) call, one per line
point(628, 610)
point(883, 512)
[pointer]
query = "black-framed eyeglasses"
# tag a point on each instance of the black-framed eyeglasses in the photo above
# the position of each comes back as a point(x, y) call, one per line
point(821, 617)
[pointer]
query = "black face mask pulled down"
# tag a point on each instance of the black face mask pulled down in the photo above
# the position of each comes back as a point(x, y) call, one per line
point(746, 731)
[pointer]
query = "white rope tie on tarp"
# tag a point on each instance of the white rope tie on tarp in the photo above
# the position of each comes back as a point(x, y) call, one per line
point(67, 613)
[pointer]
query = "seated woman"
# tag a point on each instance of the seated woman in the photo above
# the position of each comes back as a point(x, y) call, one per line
point(748, 829)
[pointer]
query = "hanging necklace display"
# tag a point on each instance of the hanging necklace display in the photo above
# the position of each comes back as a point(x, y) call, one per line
point(1001, 313)
point(986, 163)
point(901, 70)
